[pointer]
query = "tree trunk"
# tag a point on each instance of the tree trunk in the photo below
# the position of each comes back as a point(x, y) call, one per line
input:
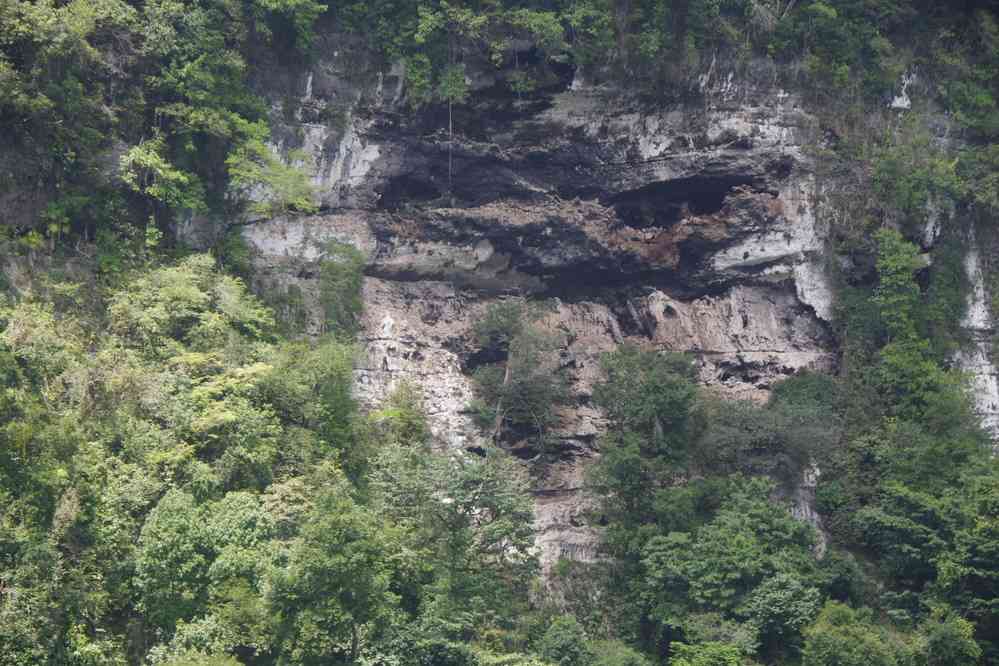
point(498, 422)
point(681, 12)
point(622, 12)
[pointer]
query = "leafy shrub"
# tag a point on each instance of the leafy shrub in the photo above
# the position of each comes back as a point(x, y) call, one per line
point(273, 186)
point(440, 652)
point(842, 636)
point(705, 654)
point(566, 643)
point(340, 279)
point(616, 653)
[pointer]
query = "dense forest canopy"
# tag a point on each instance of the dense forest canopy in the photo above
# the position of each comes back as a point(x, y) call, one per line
point(186, 478)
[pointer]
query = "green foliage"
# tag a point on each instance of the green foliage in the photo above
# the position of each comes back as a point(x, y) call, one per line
point(843, 45)
point(431, 652)
point(148, 172)
point(469, 519)
point(616, 653)
point(340, 279)
point(650, 395)
point(651, 400)
point(171, 562)
point(522, 392)
point(234, 255)
point(725, 564)
point(173, 461)
point(946, 297)
point(335, 590)
point(968, 572)
point(274, 187)
point(401, 420)
point(565, 643)
point(844, 637)
point(452, 87)
point(302, 14)
point(780, 439)
point(966, 58)
point(162, 84)
point(912, 177)
point(178, 484)
point(780, 608)
point(705, 654)
point(711, 559)
point(195, 659)
point(501, 323)
point(950, 640)
point(919, 388)
point(885, 491)
point(897, 295)
point(419, 79)
point(510, 659)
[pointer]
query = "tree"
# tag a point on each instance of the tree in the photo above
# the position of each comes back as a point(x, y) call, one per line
point(922, 391)
point(171, 564)
point(651, 395)
point(842, 636)
point(457, 23)
point(616, 653)
point(195, 659)
point(148, 172)
point(471, 519)
point(733, 564)
point(779, 439)
point(273, 186)
point(334, 594)
point(780, 608)
point(524, 390)
point(950, 641)
point(340, 279)
point(969, 570)
point(565, 643)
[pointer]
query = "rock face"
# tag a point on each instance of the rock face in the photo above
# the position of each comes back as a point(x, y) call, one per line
point(976, 356)
point(688, 226)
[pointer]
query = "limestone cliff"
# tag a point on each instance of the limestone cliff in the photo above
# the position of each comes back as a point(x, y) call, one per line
point(687, 226)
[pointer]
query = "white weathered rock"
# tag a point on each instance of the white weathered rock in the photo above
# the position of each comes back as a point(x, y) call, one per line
point(975, 358)
point(901, 101)
point(803, 506)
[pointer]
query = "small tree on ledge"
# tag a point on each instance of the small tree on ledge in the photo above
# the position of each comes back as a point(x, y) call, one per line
point(522, 391)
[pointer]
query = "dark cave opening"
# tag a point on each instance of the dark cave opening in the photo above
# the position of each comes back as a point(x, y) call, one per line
point(665, 203)
point(406, 188)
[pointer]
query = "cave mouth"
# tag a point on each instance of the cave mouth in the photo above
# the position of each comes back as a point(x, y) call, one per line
point(664, 203)
point(408, 189)
point(488, 355)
